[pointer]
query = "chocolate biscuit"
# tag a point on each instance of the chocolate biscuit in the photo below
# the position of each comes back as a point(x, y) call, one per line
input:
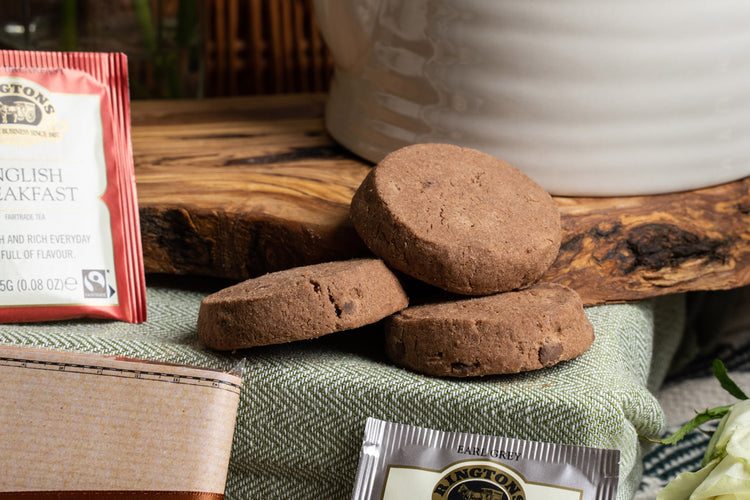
point(457, 219)
point(509, 332)
point(300, 303)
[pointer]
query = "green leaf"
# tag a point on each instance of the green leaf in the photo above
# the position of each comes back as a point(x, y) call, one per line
point(696, 422)
point(720, 372)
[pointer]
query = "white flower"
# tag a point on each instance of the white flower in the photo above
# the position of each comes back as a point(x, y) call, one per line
point(726, 465)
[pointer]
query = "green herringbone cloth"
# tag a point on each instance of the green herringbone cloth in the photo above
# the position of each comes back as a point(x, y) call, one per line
point(304, 405)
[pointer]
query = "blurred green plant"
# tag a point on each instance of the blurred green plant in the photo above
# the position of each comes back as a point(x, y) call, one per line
point(173, 48)
point(162, 38)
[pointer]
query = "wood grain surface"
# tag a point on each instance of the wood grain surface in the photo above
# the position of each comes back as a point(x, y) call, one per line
point(237, 187)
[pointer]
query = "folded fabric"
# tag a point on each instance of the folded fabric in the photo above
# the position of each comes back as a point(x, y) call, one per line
point(303, 405)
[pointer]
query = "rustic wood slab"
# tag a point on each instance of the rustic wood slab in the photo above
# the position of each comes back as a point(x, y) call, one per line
point(237, 187)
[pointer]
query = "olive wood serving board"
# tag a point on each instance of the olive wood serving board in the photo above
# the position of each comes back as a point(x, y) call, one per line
point(237, 187)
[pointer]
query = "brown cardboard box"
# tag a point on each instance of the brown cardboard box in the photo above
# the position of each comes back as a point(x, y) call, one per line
point(79, 424)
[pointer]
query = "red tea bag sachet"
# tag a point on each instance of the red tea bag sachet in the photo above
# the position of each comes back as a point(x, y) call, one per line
point(70, 241)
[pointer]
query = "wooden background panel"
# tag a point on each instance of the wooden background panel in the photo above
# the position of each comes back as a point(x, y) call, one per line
point(237, 187)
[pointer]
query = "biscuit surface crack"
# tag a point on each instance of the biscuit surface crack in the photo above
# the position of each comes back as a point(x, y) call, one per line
point(333, 302)
point(318, 289)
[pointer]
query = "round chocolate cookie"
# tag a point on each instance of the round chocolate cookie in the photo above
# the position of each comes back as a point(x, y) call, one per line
point(457, 219)
point(300, 303)
point(509, 332)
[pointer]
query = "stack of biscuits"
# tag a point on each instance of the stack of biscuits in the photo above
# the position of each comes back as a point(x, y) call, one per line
point(474, 232)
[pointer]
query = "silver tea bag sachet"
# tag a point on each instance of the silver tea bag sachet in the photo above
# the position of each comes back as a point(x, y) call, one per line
point(404, 462)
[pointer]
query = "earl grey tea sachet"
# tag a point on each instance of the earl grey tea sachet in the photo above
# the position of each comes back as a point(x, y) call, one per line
point(404, 462)
point(69, 230)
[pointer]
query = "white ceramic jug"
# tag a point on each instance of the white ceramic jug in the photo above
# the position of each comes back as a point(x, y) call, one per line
point(588, 97)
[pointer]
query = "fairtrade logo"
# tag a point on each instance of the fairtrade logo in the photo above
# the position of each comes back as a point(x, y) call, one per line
point(94, 283)
point(27, 113)
point(478, 482)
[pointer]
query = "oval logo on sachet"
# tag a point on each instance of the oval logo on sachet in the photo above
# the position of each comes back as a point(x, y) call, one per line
point(27, 113)
point(14, 109)
point(478, 482)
